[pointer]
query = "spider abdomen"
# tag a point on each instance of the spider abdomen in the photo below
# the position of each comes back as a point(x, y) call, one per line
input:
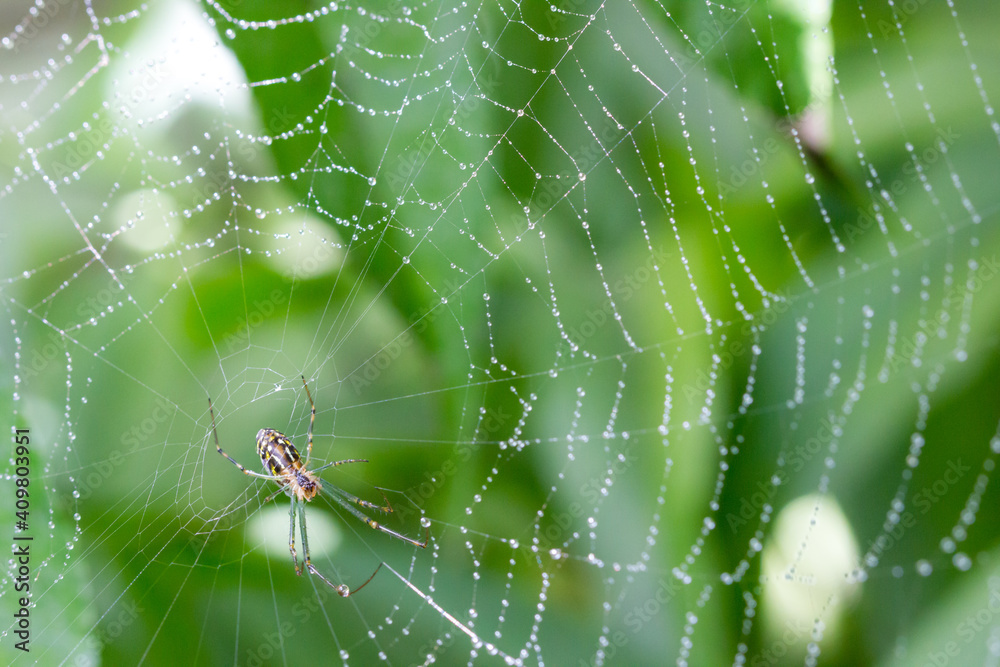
point(282, 460)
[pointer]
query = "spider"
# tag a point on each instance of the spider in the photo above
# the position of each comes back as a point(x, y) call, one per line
point(285, 467)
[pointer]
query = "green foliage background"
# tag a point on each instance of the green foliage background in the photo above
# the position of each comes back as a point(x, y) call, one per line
point(156, 577)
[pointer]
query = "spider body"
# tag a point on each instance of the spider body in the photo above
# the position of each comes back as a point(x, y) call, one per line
point(283, 462)
point(284, 465)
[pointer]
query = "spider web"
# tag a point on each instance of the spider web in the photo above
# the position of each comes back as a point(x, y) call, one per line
point(673, 326)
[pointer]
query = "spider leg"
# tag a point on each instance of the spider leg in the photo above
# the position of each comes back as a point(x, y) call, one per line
point(337, 463)
point(273, 495)
point(345, 591)
point(351, 498)
point(342, 590)
point(236, 463)
point(291, 536)
point(344, 499)
point(312, 420)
